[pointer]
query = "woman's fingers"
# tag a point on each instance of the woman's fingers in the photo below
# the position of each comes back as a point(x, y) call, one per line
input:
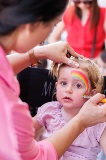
point(92, 113)
point(72, 52)
point(96, 98)
point(68, 52)
point(57, 52)
point(70, 62)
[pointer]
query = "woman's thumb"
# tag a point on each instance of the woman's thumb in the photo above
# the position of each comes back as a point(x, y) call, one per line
point(97, 98)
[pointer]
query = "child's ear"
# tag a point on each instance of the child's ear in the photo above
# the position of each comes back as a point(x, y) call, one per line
point(93, 92)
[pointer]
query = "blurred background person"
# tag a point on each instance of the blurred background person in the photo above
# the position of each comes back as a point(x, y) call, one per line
point(85, 24)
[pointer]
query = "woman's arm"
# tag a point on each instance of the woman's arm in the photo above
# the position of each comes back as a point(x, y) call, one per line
point(55, 52)
point(63, 138)
point(38, 128)
point(90, 114)
point(56, 33)
point(19, 61)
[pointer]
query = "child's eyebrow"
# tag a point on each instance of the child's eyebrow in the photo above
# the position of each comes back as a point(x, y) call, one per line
point(61, 79)
point(77, 80)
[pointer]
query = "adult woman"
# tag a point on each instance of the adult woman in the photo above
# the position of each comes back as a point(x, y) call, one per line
point(21, 24)
point(85, 24)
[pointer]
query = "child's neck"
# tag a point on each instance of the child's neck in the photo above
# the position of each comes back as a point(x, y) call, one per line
point(69, 115)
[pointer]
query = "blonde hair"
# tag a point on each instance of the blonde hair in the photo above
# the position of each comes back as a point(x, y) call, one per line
point(91, 68)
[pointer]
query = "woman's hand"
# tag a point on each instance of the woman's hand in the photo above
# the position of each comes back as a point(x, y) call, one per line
point(56, 52)
point(92, 113)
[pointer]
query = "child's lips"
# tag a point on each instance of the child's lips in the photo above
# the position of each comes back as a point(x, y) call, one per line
point(67, 99)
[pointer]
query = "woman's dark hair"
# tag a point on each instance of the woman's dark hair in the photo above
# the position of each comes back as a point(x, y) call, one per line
point(95, 13)
point(16, 12)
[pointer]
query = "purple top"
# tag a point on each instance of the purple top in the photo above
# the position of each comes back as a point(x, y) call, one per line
point(85, 147)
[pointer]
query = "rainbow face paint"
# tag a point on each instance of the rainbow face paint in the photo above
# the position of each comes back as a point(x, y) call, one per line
point(82, 77)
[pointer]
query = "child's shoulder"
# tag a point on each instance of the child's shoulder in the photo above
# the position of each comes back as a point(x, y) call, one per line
point(49, 106)
point(48, 111)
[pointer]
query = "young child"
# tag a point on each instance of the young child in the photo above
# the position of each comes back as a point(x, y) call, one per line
point(72, 85)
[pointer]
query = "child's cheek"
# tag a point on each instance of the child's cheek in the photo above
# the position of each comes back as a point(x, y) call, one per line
point(79, 97)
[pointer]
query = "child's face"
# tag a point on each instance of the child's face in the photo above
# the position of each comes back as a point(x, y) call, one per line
point(71, 86)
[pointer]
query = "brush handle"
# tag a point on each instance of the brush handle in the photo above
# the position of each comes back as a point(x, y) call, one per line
point(103, 100)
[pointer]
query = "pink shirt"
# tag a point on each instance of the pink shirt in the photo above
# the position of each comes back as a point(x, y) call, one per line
point(16, 127)
point(85, 147)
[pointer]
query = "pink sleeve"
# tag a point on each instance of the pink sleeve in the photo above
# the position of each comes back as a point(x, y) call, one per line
point(17, 132)
point(46, 151)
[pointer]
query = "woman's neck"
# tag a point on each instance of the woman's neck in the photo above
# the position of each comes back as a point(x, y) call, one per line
point(8, 42)
point(85, 15)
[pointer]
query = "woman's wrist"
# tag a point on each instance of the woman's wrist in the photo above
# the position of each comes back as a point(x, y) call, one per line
point(79, 122)
point(40, 52)
point(35, 55)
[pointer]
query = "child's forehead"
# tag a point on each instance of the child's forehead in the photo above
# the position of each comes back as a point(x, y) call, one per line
point(71, 70)
point(78, 71)
point(79, 74)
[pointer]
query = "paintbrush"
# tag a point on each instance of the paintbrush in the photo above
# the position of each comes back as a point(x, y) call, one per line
point(88, 97)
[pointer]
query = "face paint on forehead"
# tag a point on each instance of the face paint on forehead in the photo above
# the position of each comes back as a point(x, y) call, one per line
point(82, 77)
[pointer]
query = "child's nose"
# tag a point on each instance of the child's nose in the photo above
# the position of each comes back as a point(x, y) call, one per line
point(69, 88)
